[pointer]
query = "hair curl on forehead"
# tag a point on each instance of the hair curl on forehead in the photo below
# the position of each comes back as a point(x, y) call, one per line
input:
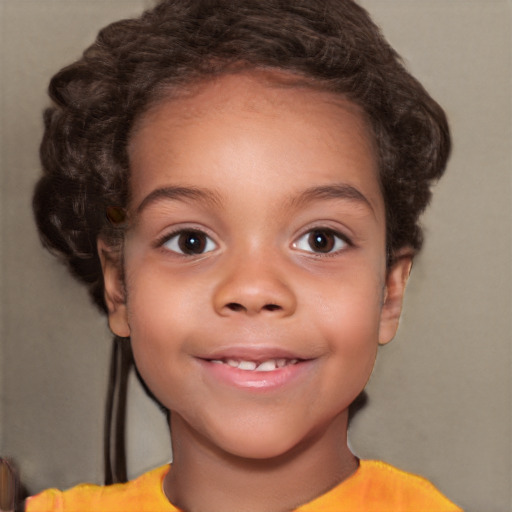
point(330, 44)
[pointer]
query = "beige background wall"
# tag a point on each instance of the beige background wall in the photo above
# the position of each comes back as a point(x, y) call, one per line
point(440, 398)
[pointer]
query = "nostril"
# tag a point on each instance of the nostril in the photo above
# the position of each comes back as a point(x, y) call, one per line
point(271, 307)
point(237, 307)
point(234, 306)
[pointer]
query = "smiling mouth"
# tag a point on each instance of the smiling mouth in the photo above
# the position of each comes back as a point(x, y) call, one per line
point(268, 365)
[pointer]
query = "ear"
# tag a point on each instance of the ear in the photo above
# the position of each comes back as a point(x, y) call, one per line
point(115, 296)
point(396, 280)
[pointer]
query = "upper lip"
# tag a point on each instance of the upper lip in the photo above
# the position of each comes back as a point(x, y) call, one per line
point(252, 353)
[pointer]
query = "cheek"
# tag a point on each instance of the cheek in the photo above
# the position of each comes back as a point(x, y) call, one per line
point(165, 312)
point(158, 302)
point(348, 319)
point(152, 306)
point(350, 310)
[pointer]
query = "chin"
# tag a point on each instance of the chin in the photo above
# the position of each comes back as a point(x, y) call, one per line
point(259, 449)
point(260, 443)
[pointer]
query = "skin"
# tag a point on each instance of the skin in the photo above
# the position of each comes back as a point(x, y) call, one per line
point(258, 152)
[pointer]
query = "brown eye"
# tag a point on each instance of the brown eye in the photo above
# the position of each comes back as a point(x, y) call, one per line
point(321, 241)
point(189, 242)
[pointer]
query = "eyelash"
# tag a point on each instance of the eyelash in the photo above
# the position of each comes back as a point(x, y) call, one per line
point(206, 242)
point(333, 242)
point(336, 242)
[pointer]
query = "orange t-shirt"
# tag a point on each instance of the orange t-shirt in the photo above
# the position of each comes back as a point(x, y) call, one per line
point(374, 487)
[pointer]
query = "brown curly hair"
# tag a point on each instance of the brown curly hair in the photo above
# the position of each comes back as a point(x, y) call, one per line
point(332, 44)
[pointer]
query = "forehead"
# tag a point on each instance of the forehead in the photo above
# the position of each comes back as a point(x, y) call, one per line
point(253, 127)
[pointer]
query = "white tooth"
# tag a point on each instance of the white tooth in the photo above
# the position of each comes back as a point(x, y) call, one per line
point(293, 361)
point(267, 366)
point(216, 361)
point(232, 362)
point(246, 365)
point(281, 362)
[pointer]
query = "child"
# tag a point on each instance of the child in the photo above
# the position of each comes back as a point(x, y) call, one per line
point(239, 185)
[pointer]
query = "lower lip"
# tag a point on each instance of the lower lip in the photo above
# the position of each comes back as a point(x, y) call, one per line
point(252, 379)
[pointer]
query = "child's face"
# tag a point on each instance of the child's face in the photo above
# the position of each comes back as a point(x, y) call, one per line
point(257, 237)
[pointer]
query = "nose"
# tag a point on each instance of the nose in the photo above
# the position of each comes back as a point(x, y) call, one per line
point(254, 287)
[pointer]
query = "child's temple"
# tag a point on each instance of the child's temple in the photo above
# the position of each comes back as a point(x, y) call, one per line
point(239, 186)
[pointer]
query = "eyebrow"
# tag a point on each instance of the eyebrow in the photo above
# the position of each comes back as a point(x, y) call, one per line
point(336, 191)
point(178, 194)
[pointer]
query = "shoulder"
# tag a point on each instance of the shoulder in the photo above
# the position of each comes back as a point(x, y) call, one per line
point(391, 482)
point(142, 494)
point(380, 487)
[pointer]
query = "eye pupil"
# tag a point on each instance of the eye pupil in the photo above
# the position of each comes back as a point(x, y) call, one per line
point(321, 241)
point(192, 242)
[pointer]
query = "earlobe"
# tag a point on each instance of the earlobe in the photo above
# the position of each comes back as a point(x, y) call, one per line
point(115, 298)
point(396, 281)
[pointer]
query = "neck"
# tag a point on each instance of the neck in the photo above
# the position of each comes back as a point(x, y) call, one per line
point(205, 478)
